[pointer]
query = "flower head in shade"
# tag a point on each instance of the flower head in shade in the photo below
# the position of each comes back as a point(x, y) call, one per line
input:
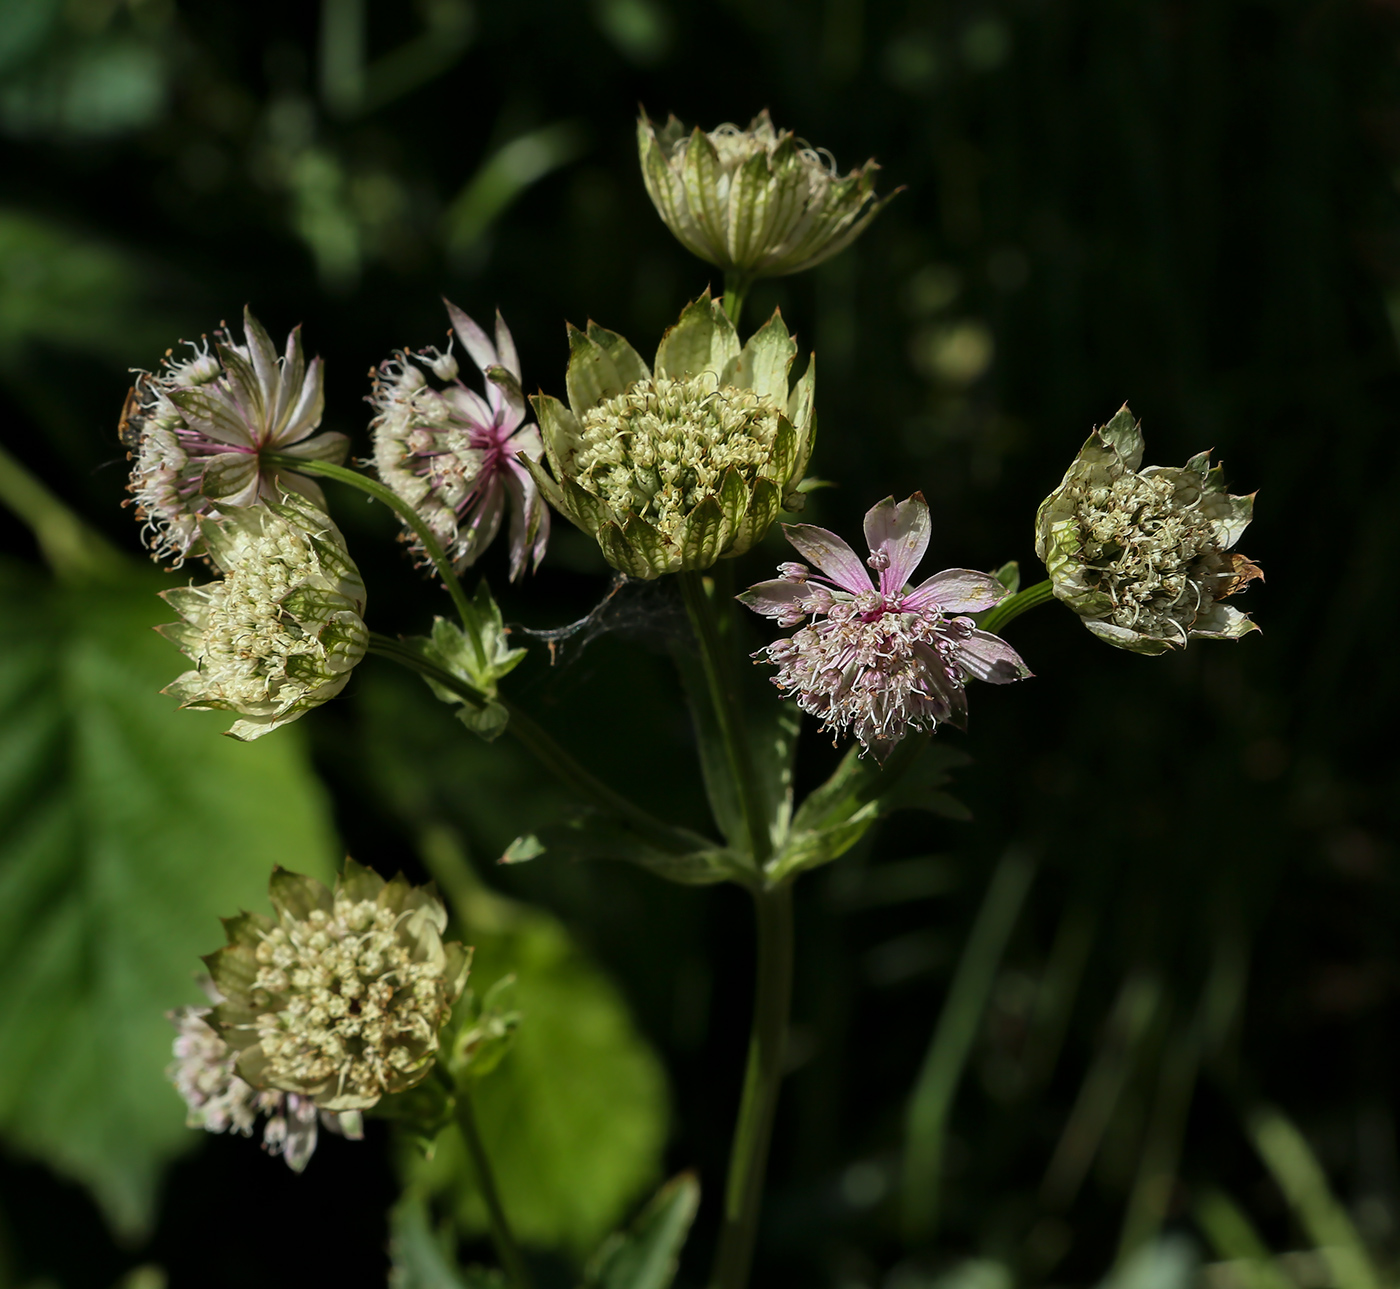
point(672, 468)
point(281, 631)
point(340, 996)
point(198, 433)
point(454, 455)
point(1143, 556)
point(880, 657)
point(217, 1100)
point(756, 202)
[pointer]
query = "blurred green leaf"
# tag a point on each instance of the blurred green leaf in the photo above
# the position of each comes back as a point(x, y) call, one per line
point(574, 1118)
point(424, 1258)
point(126, 829)
point(647, 1255)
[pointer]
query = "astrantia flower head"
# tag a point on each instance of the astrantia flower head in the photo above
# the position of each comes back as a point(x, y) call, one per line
point(756, 202)
point(219, 1101)
point(200, 430)
point(453, 455)
point(279, 633)
point(881, 658)
point(341, 995)
point(672, 469)
point(1144, 556)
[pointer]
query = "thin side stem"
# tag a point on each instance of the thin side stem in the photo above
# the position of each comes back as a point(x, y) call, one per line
point(431, 546)
point(1015, 605)
point(748, 1160)
point(735, 289)
point(545, 750)
point(728, 711)
point(506, 1248)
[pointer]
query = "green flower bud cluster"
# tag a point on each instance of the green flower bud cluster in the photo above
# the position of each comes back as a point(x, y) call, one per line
point(674, 468)
point(341, 996)
point(1143, 556)
point(282, 630)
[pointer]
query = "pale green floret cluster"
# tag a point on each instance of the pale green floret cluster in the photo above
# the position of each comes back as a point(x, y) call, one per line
point(281, 631)
point(342, 996)
point(756, 202)
point(674, 468)
point(659, 449)
point(1144, 556)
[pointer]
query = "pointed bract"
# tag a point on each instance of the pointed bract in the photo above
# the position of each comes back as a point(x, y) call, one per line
point(755, 202)
point(1143, 555)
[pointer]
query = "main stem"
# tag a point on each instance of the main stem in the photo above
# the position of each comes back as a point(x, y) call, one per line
point(506, 1248)
point(748, 1160)
point(729, 714)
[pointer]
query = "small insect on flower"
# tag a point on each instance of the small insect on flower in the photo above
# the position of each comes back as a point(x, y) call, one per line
point(880, 657)
point(199, 433)
point(340, 997)
point(756, 202)
point(1143, 555)
point(672, 469)
point(453, 455)
point(217, 1100)
point(281, 631)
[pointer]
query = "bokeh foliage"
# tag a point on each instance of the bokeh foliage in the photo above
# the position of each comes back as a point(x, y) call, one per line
point(1188, 207)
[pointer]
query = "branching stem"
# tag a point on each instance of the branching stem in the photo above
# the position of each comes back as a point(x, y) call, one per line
point(506, 1248)
point(1015, 605)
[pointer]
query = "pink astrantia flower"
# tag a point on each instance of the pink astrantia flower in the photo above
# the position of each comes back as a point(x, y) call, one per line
point(200, 431)
point(454, 455)
point(880, 657)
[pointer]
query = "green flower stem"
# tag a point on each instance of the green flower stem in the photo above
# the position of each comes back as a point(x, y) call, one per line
point(1017, 604)
point(735, 289)
point(724, 695)
point(545, 750)
point(506, 1248)
point(431, 546)
point(748, 1160)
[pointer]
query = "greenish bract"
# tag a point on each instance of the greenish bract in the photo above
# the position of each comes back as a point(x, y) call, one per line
point(673, 468)
point(340, 997)
point(1143, 556)
point(280, 633)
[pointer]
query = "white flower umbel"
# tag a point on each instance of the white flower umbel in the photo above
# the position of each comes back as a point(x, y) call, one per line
point(1143, 555)
point(756, 202)
point(281, 631)
point(199, 433)
point(341, 996)
point(217, 1100)
point(453, 455)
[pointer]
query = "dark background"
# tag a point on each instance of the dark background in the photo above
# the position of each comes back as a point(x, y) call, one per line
point(1188, 206)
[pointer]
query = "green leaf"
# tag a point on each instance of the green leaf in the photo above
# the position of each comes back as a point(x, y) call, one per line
point(424, 1258)
point(126, 828)
point(574, 1118)
point(646, 1257)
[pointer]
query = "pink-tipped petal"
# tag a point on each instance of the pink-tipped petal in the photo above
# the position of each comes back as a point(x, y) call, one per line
point(474, 340)
point(776, 599)
point(830, 554)
point(956, 590)
point(505, 347)
point(987, 657)
point(898, 537)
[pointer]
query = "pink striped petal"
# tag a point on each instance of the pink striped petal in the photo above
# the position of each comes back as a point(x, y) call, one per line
point(830, 554)
point(898, 537)
point(956, 590)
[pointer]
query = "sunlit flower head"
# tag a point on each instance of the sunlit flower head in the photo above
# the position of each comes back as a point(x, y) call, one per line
point(199, 433)
point(673, 468)
point(217, 1100)
point(1143, 555)
point(757, 202)
point(281, 631)
point(340, 996)
point(454, 455)
point(881, 658)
